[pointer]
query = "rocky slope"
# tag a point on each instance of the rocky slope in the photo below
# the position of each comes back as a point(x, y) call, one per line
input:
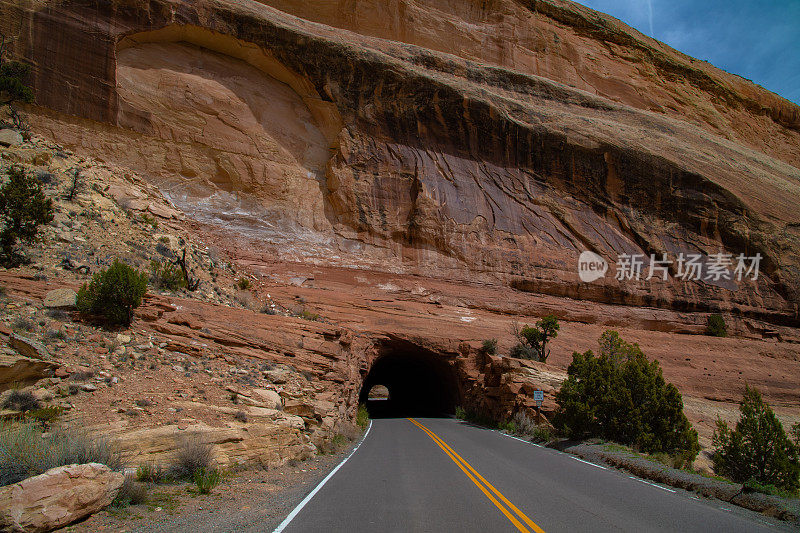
point(354, 148)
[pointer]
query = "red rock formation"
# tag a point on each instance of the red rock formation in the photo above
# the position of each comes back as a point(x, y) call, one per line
point(582, 48)
point(415, 158)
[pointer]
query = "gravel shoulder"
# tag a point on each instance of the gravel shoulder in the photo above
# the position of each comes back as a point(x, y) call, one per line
point(248, 500)
point(787, 509)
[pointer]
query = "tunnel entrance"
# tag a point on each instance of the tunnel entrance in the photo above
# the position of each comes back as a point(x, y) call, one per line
point(415, 382)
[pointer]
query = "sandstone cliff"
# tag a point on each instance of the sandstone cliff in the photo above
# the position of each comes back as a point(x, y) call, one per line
point(488, 141)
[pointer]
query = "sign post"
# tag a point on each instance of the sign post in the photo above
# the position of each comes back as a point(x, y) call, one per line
point(538, 397)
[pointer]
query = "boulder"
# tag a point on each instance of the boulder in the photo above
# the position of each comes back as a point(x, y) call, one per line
point(278, 375)
point(10, 138)
point(269, 397)
point(299, 408)
point(58, 497)
point(162, 211)
point(28, 347)
point(60, 298)
point(17, 370)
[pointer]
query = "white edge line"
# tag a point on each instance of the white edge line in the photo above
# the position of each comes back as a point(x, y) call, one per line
point(588, 462)
point(311, 494)
point(656, 485)
point(540, 446)
point(517, 438)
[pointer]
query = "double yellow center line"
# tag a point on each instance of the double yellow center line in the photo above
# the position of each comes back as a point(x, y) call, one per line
point(517, 517)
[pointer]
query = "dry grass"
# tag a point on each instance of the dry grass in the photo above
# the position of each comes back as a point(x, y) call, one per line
point(26, 450)
point(131, 493)
point(21, 401)
point(193, 454)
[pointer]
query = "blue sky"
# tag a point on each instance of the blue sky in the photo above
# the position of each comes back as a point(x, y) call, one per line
point(757, 40)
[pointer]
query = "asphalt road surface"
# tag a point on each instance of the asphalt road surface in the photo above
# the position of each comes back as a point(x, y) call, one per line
point(440, 474)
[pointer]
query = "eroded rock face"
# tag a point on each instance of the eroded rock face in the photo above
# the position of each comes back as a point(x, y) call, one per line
point(28, 347)
point(58, 497)
point(231, 126)
point(579, 47)
point(262, 443)
point(16, 370)
point(373, 152)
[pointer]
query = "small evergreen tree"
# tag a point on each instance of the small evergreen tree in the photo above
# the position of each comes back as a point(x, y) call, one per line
point(533, 339)
point(489, 346)
point(113, 294)
point(715, 326)
point(758, 449)
point(12, 82)
point(620, 395)
point(23, 208)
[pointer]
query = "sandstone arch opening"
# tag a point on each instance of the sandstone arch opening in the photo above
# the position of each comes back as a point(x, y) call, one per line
point(418, 382)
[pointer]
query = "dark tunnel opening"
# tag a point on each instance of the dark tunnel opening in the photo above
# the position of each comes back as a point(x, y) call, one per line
point(419, 383)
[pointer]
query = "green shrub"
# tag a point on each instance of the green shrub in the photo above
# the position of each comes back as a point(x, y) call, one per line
point(243, 284)
point(715, 326)
point(758, 449)
point(308, 315)
point(150, 472)
point(206, 479)
point(509, 426)
point(26, 450)
point(533, 339)
point(167, 276)
point(461, 413)
point(12, 85)
point(193, 455)
point(752, 485)
point(489, 346)
point(23, 208)
point(678, 461)
point(150, 221)
point(521, 350)
point(362, 416)
point(621, 396)
point(45, 415)
point(12, 77)
point(541, 433)
point(332, 446)
point(113, 294)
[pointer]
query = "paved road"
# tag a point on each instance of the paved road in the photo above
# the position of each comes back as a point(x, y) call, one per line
point(446, 475)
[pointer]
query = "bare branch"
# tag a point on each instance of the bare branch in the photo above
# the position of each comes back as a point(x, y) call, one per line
point(191, 284)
